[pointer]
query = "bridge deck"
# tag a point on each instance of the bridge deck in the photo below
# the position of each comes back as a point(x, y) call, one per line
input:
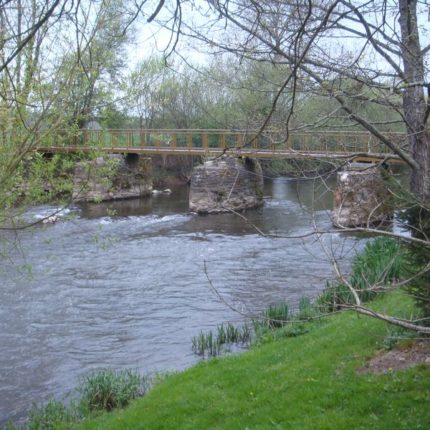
point(332, 144)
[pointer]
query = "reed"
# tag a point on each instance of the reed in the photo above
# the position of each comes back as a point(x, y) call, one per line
point(211, 344)
point(107, 389)
point(275, 316)
point(381, 263)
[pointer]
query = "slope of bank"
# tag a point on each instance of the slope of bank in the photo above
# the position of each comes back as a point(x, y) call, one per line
point(306, 382)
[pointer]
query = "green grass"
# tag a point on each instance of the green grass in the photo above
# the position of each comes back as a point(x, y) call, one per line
point(305, 382)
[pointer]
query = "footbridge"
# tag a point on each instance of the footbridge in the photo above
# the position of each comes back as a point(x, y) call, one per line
point(360, 146)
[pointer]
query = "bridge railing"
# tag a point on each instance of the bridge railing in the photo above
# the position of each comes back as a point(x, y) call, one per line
point(199, 140)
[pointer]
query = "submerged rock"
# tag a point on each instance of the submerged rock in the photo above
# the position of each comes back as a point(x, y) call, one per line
point(225, 184)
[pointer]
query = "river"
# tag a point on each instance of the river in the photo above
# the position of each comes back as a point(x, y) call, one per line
point(123, 284)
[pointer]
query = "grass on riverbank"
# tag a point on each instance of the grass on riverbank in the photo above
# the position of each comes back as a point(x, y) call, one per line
point(306, 382)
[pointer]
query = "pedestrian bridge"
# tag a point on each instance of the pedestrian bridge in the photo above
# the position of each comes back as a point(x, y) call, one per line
point(360, 146)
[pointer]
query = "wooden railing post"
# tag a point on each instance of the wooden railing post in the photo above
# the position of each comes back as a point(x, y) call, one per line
point(239, 140)
point(189, 140)
point(205, 141)
point(222, 141)
point(255, 140)
point(142, 138)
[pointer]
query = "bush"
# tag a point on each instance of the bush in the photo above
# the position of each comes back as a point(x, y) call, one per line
point(107, 389)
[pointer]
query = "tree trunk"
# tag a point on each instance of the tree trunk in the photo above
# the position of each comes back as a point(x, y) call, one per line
point(414, 103)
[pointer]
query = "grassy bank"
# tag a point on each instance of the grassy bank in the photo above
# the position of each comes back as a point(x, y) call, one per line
point(306, 382)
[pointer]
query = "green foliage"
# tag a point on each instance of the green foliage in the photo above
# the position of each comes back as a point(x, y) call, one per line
point(381, 262)
point(275, 316)
point(265, 334)
point(397, 336)
point(102, 390)
point(211, 344)
point(307, 310)
point(48, 179)
point(107, 389)
point(417, 218)
point(53, 415)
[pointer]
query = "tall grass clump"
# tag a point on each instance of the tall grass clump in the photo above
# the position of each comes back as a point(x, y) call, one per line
point(307, 310)
point(53, 415)
point(275, 316)
point(103, 389)
point(108, 389)
point(381, 263)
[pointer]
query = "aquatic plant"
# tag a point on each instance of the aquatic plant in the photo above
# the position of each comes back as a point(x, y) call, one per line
point(275, 316)
point(211, 344)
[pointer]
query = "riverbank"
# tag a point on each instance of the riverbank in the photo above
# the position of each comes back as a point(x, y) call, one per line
point(315, 381)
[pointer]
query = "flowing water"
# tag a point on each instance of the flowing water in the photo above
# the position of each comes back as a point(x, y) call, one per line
point(128, 284)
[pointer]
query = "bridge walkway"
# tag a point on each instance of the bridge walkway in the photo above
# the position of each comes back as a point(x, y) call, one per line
point(203, 142)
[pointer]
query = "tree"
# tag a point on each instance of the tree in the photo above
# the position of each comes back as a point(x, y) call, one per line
point(373, 46)
point(362, 57)
point(59, 63)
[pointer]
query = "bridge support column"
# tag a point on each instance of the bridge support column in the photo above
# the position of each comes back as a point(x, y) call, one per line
point(112, 177)
point(361, 198)
point(226, 183)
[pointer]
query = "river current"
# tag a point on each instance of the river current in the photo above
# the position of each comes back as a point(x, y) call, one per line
point(125, 284)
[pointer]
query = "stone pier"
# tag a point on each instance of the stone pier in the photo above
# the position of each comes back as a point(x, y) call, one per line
point(361, 198)
point(112, 177)
point(226, 183)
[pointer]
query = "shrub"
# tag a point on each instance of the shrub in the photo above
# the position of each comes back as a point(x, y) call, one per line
point(107, 389)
